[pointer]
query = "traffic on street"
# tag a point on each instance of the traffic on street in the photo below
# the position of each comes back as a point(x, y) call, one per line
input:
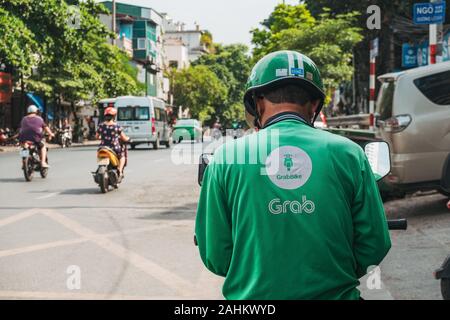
point(301, 154)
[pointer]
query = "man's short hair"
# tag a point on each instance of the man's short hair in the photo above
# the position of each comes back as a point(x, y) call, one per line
point(289, 93)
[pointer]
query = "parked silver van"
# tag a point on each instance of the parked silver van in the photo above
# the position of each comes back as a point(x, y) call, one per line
point(413, 116)
point(144, 120)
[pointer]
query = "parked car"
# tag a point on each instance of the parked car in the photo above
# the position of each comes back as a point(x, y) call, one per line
point(187, 129)
point(144, 120)
point(413, 116)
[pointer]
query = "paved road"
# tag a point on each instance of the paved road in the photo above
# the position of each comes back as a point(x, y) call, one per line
point(136, 242)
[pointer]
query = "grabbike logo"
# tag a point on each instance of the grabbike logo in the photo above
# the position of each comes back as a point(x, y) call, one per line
point(288, 167)
point(276, 206)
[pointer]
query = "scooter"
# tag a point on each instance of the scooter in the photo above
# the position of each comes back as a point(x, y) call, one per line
point(107, 174)
point(66, 138)
point(31, 161)
point(216, 134)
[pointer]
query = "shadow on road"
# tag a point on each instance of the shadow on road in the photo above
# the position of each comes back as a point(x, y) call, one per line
point(186, 212)
point(420, 206)
point(12, 180)
point(82, 191)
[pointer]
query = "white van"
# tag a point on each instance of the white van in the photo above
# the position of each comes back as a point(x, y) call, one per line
point(144, 120)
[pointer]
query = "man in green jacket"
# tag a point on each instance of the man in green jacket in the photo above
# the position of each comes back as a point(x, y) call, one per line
point(291, 212)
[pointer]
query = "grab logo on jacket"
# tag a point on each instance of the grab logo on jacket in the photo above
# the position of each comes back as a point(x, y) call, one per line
point(288, 167)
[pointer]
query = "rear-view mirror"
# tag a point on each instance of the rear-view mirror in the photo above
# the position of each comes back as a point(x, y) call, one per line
point(379, 158)
point(205, 159)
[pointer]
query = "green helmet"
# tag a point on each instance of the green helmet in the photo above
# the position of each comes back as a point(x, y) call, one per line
point(284, 67)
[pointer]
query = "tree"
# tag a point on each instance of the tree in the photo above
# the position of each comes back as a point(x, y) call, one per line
point(198, 89)
point(231, 65)
point(328, 39)
point(284, 17)
point(207, 40)
point(68, 63)
point(17, 43)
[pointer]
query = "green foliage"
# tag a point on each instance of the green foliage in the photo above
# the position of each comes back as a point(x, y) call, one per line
point(69, 63)
point(17, 43)
point(199, 89)
point(328, 40)
point(231, 66)
point(207, 40)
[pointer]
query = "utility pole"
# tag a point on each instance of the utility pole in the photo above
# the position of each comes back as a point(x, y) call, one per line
point(374, 44)
point(113, 24)
point(436, 39)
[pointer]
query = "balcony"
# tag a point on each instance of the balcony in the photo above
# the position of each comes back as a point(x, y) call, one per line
point(126, 45)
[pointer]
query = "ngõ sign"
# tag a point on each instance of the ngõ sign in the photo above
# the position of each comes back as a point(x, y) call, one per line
point(429, 13)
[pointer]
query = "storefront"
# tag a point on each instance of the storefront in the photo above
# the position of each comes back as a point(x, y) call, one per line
point(5, 99)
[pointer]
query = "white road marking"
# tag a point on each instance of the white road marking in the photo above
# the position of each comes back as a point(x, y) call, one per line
point(47, 196)
point(43, 246)
point(170, 279)
point(62, 243)
point(76, 296)
point(17, 217)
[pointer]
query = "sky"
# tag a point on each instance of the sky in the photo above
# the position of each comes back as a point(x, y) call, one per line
point(229, 21)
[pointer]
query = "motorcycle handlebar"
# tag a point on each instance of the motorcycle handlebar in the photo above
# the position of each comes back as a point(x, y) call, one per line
point(400, 224)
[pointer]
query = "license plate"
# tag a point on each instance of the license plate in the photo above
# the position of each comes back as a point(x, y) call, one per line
point(102, 161)
point(24, 153)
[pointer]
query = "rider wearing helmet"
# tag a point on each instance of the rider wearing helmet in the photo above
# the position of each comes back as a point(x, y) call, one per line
point(32, 129)
point(111, 135)
point(291, 212)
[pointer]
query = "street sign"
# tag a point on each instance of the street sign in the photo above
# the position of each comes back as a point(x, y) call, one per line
point(374, 45)
point(422, 53)
point(446, 48)
point(409, 55)
point(429, 13)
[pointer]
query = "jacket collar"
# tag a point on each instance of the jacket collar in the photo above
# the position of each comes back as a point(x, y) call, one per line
point(288, 115)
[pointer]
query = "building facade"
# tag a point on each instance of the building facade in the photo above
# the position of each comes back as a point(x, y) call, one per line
point(140, 33)
point(191, 39)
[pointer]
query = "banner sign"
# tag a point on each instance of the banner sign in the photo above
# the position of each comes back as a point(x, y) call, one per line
point(446, 47)
point(409, 55)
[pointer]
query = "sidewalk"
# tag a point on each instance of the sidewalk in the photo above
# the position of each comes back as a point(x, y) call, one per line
point(5, 149)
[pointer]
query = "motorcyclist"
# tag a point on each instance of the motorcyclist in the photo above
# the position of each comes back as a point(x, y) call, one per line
point(32, 129)
point(303, 221)
point(216, 132)
point(111, 135)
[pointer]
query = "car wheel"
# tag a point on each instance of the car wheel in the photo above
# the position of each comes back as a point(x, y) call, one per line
point(444, 192)
point(28, 169)
point(445, 288)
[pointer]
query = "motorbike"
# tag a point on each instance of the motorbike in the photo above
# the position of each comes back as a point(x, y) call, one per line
point(3, 138)
point(65, 138)
point(216, 134)
point(7, 138)
point(31, 161)
point(107, 174)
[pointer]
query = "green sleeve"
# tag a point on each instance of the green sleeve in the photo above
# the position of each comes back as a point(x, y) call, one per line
point(371, 235)
point(213, 225)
